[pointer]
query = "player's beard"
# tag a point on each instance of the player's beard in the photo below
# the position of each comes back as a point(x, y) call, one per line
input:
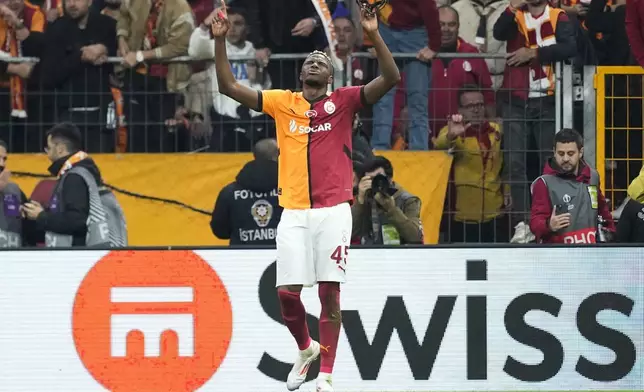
point(314, 83)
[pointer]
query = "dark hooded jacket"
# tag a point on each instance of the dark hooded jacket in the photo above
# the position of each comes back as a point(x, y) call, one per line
point(247, 211)
point(75, 201)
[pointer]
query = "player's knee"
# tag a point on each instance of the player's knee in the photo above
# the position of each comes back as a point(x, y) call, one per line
point(291, 288)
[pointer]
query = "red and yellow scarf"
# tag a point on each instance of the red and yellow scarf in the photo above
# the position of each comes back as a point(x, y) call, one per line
point(34, 20)
point(71, 161)
point(150, 40)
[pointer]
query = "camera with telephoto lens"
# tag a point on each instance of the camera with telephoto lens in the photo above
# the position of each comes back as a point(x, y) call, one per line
point(380, 184)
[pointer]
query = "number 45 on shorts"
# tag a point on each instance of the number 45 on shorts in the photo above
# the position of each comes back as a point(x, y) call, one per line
point(340, 256)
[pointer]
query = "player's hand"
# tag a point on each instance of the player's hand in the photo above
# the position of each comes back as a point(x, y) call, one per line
point(220, 24)
point(303, 28)
point(210, 19)
point(426, 55)
point(558, 222)
point(368, 21)
point(456, 127)
point(363, 186)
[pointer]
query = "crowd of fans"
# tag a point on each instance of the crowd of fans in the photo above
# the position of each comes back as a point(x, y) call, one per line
point(490, 63)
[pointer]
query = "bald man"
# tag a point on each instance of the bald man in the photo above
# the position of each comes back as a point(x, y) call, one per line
point(266, 149)
point(247, 211)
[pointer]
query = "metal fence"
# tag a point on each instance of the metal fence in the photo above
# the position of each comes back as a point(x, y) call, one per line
point(620, 126)
point(137, 113)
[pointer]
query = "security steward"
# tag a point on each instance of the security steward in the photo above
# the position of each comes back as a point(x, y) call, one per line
point(247, 210)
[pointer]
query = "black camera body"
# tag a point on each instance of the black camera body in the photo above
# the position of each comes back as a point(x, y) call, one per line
point(380, 184)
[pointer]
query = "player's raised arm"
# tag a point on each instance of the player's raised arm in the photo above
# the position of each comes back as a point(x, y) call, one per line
point(227, 83)
point(389, 73)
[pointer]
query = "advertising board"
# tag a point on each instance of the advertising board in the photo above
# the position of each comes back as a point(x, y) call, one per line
point(523, 319)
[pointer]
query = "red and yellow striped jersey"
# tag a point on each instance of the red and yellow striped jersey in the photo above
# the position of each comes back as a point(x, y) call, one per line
point(314, 140)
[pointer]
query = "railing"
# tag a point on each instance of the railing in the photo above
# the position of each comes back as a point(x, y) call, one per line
point(146, 128)
point(619, 119)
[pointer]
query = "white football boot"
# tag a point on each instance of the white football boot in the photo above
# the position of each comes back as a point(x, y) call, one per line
point(303, 362)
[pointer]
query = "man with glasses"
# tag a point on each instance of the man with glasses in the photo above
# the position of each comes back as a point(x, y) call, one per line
point(475, 143)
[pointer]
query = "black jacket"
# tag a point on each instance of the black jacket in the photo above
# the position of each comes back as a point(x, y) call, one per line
point(270, 24)
point(630, 228)
point(247, 211)
point(75, 202)
point(77, 83)
point(613, 48)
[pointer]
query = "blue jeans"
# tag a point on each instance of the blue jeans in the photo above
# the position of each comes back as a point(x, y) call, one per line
point(417, 83)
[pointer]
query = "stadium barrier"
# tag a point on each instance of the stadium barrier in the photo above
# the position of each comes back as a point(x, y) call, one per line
point(144, 120)
point(168, 198)
point(620, 125)
point(415, 319)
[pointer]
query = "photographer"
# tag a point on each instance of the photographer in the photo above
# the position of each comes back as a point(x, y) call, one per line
point(384, 213)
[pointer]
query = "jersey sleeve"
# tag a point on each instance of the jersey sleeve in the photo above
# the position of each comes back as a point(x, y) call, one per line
point(353, 97)
point(270, 100)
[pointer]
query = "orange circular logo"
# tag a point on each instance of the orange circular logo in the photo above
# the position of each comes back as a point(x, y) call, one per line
point(152, 321)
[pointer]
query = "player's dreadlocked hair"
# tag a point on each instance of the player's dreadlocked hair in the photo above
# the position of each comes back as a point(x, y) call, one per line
point(326, 56)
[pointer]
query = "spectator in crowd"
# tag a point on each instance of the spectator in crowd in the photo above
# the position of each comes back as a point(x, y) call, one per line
point(194, 115)
point(236, 127)
point(281, 27)
point(74, 65)
point(362, 151)
point(529, 110)
point(635, 28)
point(567, 203)
point(14, 232)
point(408, 26)
point(450, 75)
point(477, 19)
point(475, 143)
point(116, 121)
point(21, 27)
point(71, 219)
point(630, 228)
point(384, 213)
point(609, 20)
point(148, 34)
point(247, 211)
point(345, 32)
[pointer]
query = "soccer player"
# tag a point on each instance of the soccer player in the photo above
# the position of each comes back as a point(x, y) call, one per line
point(315, 186)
